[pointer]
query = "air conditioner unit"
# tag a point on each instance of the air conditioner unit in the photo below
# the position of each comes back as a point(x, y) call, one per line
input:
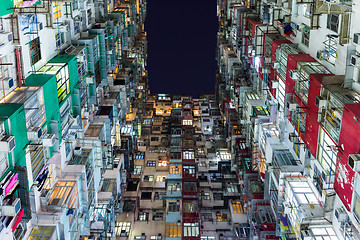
point(110, 52)
point(77, 151)
point(275, 65)
point(275, 84)
point(8, 83)
point(90, 80)
point(6, 37)
point(64, 28)
point(285, 5)
point(7, 143)
point(49, 140)
point(356, 38)
point(72, 136)
point(320, 102)
point(11, 210)
point(34, 133)
point(341, 214)
point(82, 58)
point(294, 75)
point(247, 33)
point(355, 60)
point(306, 235)
point(354, 162)
point(291, 106)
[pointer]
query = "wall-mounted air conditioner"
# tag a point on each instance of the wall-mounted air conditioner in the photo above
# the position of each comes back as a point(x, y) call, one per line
point(355, 60)
point(7, 143)
point(90, 80)
point(291, 106)
point(306, 235)
point(294, 74)
point(275, 65)
point(49, 140)
point(275, 84)
point(82, 58)
point(64, 28)
point(6, 37)
point(77, 151)
point(354, 162)
point(356, 38)
point(341, 215)
point(8, 83)
point(11, 210)
point(320, 102)
point(72, 136)
point(34, 133)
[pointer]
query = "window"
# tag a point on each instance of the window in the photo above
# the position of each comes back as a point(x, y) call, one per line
point(158, 215)
point(357, 207)
point(159, 195)
point(187, 122)
point(175, 169)
point(207, 217)
point(64, 193)
point(190, 206)
point(122, 229)
point(188, 155)
point(189, 169)
point(174, 187)
point(305, 37)
point(163, 163)
point(221, 217)
point(154, 139)
point(151, 163)
point(140, 155)
point(56, 12)
point(35, 50)
point(160, 178)
point(175, 155)
point(146, 195)
point(75, 4)
point(143, 216)
point(326, 155)
point(42, 233)
point(173, 230)
point(333, 22)
point(59, 38)
point(237, 207)
point(324, 233)
point(148, 178)
point(137, 170)
point(200, 151)
point(191, 229)
point(174, 206)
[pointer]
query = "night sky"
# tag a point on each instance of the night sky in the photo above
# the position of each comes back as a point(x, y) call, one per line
point(181, 46)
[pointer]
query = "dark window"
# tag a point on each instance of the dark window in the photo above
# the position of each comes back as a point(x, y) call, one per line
point(35, 51)
point(333, 22)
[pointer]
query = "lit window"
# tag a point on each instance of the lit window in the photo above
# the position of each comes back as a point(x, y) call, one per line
point(221, 217)
point(56, 12)
point(174, 187)
point(188, 155)
point(173, 230)
point(148, 178)
point(191, 229)
point(189, 169)
point(143, 216)
point(187, 122)
point(158, 215)
point(122, 229)
point(35, 52)
point(163, 163)
point(160, 178)
point(175, 169)
point(159, 195)
point(137, 170)
point(151, 163)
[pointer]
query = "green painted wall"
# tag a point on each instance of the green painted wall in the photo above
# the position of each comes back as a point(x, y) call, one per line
point(14, 116)
point(52, 108)
point(6, 7)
